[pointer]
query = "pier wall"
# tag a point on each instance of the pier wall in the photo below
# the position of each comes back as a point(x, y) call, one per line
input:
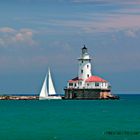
point(86, 94)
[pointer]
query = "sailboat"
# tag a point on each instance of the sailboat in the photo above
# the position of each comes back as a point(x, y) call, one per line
point(48, 91)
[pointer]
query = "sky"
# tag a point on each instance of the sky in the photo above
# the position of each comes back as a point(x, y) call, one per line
point(37, 34)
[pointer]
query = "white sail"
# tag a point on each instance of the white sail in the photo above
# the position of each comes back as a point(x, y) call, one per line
point(44, 92)
point(51, 89)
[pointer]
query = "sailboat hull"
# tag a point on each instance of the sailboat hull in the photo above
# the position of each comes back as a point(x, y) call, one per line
point(55, 97)
point(42, 98)
point(51, 98)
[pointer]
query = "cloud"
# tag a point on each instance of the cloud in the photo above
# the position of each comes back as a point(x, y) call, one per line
point(10, 36)
point(120, 22)
point(106, 1)
point(108, 22)
point(90, 1)
point(7, 30)
point(116, 15)
point(24, 36)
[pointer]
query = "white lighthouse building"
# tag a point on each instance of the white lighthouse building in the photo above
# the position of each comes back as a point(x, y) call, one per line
point(84, 71)
point(87, 85)
point(85, 78)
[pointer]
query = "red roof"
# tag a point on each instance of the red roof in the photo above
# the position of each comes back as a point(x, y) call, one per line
point(76, 79)
point(95, 79)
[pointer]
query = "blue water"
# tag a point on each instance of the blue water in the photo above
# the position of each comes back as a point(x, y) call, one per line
point(71, 120)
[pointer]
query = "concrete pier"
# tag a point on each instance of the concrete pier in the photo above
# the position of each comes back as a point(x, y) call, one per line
point(9, 97)
point(82, 94)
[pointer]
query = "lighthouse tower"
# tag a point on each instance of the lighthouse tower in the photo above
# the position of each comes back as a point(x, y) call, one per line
point(84, 65)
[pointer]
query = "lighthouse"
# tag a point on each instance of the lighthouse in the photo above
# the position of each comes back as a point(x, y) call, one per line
point(84, 65)
point(87, 85)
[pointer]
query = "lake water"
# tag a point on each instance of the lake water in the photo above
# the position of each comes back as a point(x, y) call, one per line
point(71, 120)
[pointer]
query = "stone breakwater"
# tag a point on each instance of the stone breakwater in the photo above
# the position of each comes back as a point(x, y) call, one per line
point(19, 97)
point(5, 97)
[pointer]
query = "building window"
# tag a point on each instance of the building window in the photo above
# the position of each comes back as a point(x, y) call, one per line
point(87, 75)
point(87, 84)
point(81, 71)
point(75, 84)
point(96, 84)
point(87, 66)
point(82, 61)
point(80, 83)
point(70, 84)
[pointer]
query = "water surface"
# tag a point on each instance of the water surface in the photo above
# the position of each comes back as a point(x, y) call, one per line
point(71, 120)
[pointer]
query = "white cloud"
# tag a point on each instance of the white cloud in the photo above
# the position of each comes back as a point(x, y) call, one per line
point(11, 36)
point(24, 36)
